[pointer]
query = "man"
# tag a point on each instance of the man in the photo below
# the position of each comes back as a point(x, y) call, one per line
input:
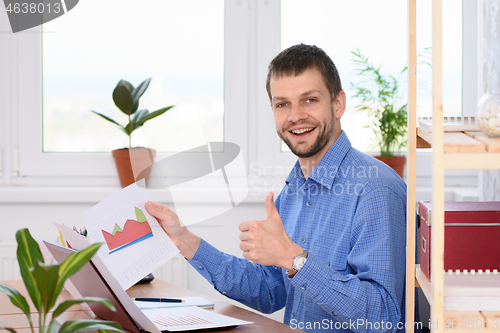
point(332, 249)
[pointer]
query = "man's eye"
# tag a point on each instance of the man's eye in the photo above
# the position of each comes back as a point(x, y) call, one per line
point(311, 100)
point(281, 105)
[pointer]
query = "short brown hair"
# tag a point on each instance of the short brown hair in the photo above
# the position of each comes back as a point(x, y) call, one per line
point(295, 59)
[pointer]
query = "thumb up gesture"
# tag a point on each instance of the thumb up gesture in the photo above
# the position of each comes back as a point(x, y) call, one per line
point(266, 242)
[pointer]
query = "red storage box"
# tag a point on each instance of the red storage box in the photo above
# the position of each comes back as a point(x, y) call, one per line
point(471, 236)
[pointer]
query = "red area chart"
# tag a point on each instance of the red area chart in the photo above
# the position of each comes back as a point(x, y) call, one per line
point(132, 233)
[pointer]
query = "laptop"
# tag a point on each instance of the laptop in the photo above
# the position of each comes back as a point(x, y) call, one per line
point(95, 280)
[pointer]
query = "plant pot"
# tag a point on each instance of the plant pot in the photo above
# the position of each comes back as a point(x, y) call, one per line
point(131, 162)
point(395, 162)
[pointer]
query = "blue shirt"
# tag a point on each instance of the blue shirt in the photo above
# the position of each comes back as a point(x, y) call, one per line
point(350, 215)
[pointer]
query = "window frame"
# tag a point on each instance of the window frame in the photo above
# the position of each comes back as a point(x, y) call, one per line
point(36, 167)
point(471, 56)
point(271, 154)
point(5, 93)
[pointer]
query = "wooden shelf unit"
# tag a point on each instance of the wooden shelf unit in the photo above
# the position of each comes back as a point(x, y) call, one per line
point(450, 150)
point(465, 150)
point(465, 292)
point(462, 142)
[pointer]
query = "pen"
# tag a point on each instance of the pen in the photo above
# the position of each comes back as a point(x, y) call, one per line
point(164, 300)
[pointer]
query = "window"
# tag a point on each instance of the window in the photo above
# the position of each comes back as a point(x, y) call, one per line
point(452, 58)
point(179, 44)
point(199, 77)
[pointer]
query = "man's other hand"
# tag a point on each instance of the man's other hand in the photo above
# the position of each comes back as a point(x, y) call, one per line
point(186, 241)
point(266, 242)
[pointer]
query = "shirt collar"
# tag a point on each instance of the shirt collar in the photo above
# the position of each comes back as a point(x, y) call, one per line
point(326, 170)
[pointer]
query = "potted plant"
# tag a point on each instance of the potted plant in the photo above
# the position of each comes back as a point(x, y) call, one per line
point(378, 95)
point(126, 98)
point(44, 283)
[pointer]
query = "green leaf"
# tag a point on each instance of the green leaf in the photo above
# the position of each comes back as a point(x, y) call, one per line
point(126, 84)
point(46, 277)
point(132, 126)
point(134, 109)
point(131, 89)
point(154, 114)
point(138, 115)
point(28, 253)
point(123, 99)
point(8, 329)
point(134, 122)
point(139, 91)
point(65, 305)
point(86, 325)
point(17, 299)
point(110, 120)
point(74, 262)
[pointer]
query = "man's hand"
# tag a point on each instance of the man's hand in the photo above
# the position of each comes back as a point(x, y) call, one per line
point(186, 241)
point(266, 242)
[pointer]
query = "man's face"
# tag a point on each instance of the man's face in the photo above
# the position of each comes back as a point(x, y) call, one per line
point(304, 112)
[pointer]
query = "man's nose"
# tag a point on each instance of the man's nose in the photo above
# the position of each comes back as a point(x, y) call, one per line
point(297, 113)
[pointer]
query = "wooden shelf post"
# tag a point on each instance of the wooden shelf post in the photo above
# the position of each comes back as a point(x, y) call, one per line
point(412, 159)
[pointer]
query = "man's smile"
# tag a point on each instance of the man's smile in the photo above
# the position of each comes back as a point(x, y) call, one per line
point(298, 132)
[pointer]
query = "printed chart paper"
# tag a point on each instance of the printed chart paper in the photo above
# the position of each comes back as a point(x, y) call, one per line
point(134, 242)
point(189, 318)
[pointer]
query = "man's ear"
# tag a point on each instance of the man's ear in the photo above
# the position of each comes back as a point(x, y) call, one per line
point(339, 104)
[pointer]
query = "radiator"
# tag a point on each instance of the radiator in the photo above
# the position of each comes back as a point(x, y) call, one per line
point(173, 271)
point(9, 268)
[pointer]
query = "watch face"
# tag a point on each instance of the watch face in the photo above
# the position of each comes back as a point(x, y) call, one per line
point(299, 263)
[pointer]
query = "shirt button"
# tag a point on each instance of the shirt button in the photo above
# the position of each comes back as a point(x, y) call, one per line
point(224, 293)
point(293, 314)
point(308, 203)
point(200, 268)
point(303, 239)
point(303, 287)
point(328, 264)
point(334, 314)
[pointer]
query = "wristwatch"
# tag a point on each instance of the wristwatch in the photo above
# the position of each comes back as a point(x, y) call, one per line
point(297, 264)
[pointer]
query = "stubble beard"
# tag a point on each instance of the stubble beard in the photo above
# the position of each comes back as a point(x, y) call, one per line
point(324, 136)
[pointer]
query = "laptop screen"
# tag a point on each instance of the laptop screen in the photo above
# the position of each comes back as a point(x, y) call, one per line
point(89, 283)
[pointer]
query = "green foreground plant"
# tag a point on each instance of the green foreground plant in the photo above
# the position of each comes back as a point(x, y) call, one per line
point(126, 98)
point(44, 283)
point(378, 95)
